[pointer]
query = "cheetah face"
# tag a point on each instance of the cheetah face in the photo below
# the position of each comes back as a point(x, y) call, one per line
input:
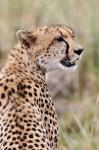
point(53, 47)
point(61, 49)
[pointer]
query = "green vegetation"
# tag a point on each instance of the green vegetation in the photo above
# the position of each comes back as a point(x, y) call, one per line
point(79, 124)
point(79, 128)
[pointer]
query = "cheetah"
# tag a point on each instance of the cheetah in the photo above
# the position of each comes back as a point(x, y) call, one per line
point(28, 120)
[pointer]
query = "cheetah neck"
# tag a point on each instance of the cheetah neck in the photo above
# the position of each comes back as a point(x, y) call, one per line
point(20, 60)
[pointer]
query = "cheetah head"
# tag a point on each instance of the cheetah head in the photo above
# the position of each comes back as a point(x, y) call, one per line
point(51, 47)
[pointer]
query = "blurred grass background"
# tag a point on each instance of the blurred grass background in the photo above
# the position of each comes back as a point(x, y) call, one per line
point(75, 94)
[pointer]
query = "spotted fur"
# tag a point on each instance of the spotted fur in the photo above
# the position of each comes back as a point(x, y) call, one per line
point(28, 120)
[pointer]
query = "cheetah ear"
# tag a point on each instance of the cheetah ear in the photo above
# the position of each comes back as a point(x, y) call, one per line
point(25, 38)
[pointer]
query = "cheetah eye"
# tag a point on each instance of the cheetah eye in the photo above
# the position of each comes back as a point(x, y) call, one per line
point(60, 39)
point(72, 36)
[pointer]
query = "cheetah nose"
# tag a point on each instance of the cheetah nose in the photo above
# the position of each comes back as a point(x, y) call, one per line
point(79, 51)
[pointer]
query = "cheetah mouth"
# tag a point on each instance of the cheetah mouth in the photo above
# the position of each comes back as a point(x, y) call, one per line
point(67, 63)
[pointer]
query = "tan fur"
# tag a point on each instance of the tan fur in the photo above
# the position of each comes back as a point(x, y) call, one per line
point(27, 115)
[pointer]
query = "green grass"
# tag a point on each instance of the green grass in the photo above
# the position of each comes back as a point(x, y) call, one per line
point(79, 126)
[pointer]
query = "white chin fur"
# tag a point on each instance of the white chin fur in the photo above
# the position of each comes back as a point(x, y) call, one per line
point(68, 68)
